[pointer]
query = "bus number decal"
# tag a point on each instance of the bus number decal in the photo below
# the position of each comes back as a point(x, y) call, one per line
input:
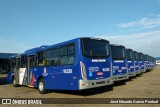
point(93, 69)
point(131, 66)
point(67, 71)
point(115, 67)
point(123, 67)
point(98, 60)
point(118, 61)
point(105, 69)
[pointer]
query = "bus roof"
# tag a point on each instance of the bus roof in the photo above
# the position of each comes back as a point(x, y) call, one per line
point(45, 47)
point(117, 45)
point(16, 56)
point(139, 52)
point(35, 49)
point(135, 51)
point(129, 49)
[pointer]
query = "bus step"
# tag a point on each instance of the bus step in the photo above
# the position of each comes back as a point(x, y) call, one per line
point(31, 86)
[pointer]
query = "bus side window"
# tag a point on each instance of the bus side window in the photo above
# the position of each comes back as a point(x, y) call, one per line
point(11, 63)
point(67, 54)
point(17, 63)
point(51, 57)
point(48, 58)
point(32, 61)
point(55, 57)
point(40, 59)
point(23, 62)
point(70, 54)
point(63, 53)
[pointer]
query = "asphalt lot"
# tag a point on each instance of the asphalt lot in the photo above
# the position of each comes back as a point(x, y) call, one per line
point(147, 85)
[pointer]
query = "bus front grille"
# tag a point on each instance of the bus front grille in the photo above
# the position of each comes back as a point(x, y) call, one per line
point(101, 82)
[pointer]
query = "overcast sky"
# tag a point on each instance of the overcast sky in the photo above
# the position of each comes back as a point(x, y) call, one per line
point(26, 24)
point(148, 43)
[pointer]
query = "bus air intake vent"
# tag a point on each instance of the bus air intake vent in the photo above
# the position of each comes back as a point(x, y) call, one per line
point(101, 82)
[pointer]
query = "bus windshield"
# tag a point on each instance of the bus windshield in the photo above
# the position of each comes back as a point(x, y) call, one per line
point(95, 48)
point(118, 52)
point(129, 54)
point(140, 56)
point(135, 56)
point(145, 57)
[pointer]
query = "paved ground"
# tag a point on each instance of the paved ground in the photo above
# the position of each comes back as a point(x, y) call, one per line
point(146, 85)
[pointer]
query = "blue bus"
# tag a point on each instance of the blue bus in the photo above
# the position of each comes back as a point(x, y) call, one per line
point(130, 61)
point(141, 62)
point(136, 63)
point(77, 64)
point(146, 63)
point(151, 65)
point(152, 62)
point(120, 67)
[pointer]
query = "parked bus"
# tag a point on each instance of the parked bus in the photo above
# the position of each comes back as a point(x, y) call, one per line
point(146, 62)
point(78, 64)
point(155, 62)
point(150, 62)
point(141, 62)
point(120, 67)
point(130, 61)
point(136, 63)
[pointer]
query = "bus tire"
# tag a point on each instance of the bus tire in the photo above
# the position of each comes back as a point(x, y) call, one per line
point(14, 82)
point(41, 86)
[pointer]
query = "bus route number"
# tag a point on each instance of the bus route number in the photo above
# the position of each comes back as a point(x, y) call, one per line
point(67, 71)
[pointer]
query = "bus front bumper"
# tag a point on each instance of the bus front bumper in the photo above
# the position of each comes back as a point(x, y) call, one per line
point(132, 74)
point(142, 71)
point(137, 72)
point(87, 84)
point(120, 77)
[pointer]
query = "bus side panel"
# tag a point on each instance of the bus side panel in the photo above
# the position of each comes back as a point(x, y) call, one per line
point(64, 78)
point(61, 77)
point(37, 73)
point(9, 77)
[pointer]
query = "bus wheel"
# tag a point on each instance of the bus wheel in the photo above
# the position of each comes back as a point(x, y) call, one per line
point(41, 86)
point(14, 82)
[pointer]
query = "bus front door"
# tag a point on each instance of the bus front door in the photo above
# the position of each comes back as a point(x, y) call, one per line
point(16, 70)
point(30, 70)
